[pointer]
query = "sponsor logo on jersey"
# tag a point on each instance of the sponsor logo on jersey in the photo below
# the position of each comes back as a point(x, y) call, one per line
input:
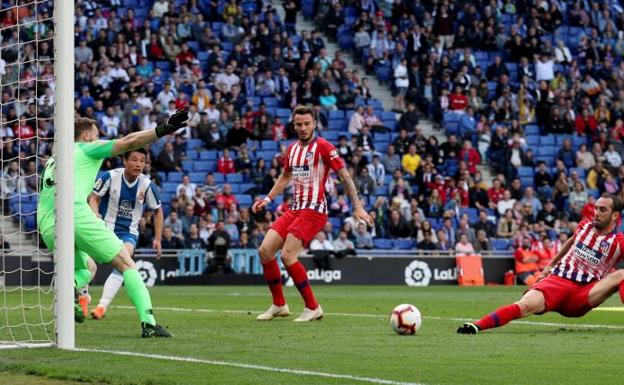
point(585, 253)
point(333, 154)
point(300, 171)
point(125, 209)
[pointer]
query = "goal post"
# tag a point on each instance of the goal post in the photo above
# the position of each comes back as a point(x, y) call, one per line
point(64, 159)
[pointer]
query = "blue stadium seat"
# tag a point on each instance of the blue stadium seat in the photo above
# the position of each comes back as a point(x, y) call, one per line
point(336, 115)
point(336, 223)
point(531, 130)
point(170, 187)
point(547, 140)
point(194, 143)
point(283, 113)
point(197, 177)
point(331, 136)
point(245, 188)
point(188, 165)
point(162, 176)
point(269, 145)
point(384, 136)
point(546, 151)
point(270, 101)
point(205, 166)
point(593, 192)
point(234, 178)
point(266, 155)
point(499, 244)
point(175, 177)
point(382, 243)
point(191, 155)
point(244, 200)
point(335, 125)
point(533, 140)
point(402, 244)
point(208, 155)
point(219, 178)
point(525, 171)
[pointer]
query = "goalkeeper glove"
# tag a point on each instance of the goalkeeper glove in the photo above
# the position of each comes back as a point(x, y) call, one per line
point(173, 124)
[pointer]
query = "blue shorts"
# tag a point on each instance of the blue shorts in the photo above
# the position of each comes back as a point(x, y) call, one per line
point(128, 238)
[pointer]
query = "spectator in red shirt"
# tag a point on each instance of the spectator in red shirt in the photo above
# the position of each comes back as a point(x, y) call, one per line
point(226, 196)
point(495, 193)
point(225, 165)
point(586, 123)
point(458, 102)
point(589, 208)
point(278, 130)
point(25, 131)
point(469, 155)
point(186, 56)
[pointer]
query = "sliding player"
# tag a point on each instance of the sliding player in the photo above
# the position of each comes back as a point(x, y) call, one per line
point(578, 279)
point(119, 197)
point(92, 237)
point(307, 162)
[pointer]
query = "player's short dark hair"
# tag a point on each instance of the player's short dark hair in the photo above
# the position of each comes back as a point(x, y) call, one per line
point(143, 151)
point(303, 110)
point(617, 202)
point(81, 125)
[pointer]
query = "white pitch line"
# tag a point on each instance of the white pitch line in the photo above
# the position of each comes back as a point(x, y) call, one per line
point(308, 373)
point(364, 315)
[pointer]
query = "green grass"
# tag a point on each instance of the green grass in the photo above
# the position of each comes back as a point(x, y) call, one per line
point(362, 346)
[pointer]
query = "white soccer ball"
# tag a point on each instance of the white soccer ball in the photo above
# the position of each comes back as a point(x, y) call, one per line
point(405, 319)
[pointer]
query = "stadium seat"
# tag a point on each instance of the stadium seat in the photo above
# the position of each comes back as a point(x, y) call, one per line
point(219, 178)
point(175, 177)
point(205, 166)
point(188, 165)
point(197, 177)
point(336, 223)
point(283, 113)
point(470, 270)
point(525, 172)
point(170, 187)
point(234, 178)
point(547, 140)
point(402, 244)
point(336, 115)
point(382, 243)
point(208, 155)
point(499, 244)
point(270, 102)
point(531, 130)
point(244, 200)
point(335, 125)
point(269, 145)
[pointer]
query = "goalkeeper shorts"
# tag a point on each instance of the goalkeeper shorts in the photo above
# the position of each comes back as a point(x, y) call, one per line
point(91, 237)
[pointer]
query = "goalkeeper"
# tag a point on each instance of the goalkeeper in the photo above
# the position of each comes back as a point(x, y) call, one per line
point(92, 237)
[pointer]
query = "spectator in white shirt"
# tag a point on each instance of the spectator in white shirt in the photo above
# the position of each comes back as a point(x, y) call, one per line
point(507, 202)
point(226, 79)
point(213, 113)
point(160, 7)
point(562, 53)
point(186, 187)
point(377, 171)
point(544, 68)
point(118, 73)
point(166, 95)
point(613, 157)
point(342, 243)
point(363, 239)
point(110, 123)
point(357, 121)
point(401, 81)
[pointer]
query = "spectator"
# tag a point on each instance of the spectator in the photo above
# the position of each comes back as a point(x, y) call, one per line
point(342, 245)
point(392, 160)
point(225, 164)
point(542, 177)
point(377, 171)
point(463, 246)
point(168, 161)
point(169, 241)
point(397, 227)
point(527, 270)
point(187, 186)
point(226, 197)
point(506, 203)
point(584, 158)
point(175, 224)
point(566, 154)
point(411, 161)
point(363, 239)
point(427, 244)
point(322, 250)
point(364, 183)
point(484, 224)
point(469, 155)
point(482, 242)
point(193, 240)
point(507, 225)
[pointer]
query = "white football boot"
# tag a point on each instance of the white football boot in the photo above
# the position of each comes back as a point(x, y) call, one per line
point(274, 311)
point(310, 315)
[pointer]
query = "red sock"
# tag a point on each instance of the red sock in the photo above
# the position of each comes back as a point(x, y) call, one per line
point(273, 277)
point(622, 291)
point(298, 273)
point(499, 317)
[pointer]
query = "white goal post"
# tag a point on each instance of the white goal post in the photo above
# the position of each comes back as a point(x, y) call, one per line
point(64, 159)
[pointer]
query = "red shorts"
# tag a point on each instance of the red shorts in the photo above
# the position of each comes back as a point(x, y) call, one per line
point(566, 297)
point(303, 224)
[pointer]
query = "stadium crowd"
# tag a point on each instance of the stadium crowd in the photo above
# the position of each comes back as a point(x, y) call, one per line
point(503, 79)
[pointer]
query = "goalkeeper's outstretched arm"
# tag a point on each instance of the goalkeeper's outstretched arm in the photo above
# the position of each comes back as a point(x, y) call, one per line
point(140, 139)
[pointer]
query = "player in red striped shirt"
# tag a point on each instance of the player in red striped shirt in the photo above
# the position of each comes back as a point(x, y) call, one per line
point(577, 279)
point(307, 163)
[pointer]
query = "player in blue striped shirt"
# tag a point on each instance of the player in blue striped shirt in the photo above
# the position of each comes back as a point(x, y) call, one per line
point(119, 197)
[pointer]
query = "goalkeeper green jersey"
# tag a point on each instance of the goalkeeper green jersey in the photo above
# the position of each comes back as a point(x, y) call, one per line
point(88, 158)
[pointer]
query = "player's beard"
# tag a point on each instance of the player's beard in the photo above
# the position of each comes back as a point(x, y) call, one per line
point(306, 139)
point(601, 226)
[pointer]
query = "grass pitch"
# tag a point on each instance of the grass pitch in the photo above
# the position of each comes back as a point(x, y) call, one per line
point(218, 341)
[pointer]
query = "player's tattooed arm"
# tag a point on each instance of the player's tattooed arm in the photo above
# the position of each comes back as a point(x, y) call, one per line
point(350, 189)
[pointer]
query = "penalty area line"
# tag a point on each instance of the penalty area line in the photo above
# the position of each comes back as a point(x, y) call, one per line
point(308, 373)
point(364, 315)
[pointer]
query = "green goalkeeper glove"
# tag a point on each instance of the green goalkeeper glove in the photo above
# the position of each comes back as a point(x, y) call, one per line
point(173, 124)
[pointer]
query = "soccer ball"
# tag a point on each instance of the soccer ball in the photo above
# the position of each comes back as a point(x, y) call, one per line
point(405, 319)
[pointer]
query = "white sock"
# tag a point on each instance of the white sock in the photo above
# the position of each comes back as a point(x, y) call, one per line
point(111, 287)
point(85, 291)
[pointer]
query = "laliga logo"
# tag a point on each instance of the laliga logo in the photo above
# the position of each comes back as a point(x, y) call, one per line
point(327, 276)
point(147, 271)
point(417, 273)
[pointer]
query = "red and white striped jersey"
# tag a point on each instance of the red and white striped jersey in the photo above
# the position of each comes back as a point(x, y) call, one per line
point(592, 255)
point(309, 167)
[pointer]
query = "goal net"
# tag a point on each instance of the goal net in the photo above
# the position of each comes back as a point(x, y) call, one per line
point(27, 125)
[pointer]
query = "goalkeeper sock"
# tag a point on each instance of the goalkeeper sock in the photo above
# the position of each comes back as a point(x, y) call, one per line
point(139, 296)
point(273, 277)
point(300, 278)
point(501, 316)
point(82, 277)
point(111, 287)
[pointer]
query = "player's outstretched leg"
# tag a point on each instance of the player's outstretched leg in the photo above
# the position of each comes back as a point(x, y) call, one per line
point(139, 296)
point(273, 276)
point(532, 302)
point(296, 270)
point(111, 287)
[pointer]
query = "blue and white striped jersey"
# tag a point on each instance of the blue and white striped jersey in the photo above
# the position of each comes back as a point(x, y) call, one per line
point(122, 203)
